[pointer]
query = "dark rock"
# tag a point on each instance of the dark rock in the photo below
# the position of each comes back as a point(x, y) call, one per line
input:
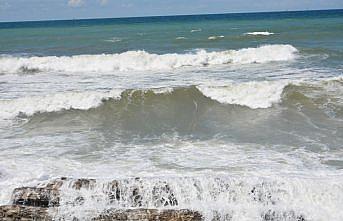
point(113, 191)
point(163, 195)
point(23, 213)
point(83, 183)
point(34, 196)
point(130, 190)
point(150, 215)
point(48, 195)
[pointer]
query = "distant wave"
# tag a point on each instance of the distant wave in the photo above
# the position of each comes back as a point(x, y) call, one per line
point(254, 95)
point(196, 30)
point(265, 33)
point(142, 61)
point(180, 38)
point(216, 37)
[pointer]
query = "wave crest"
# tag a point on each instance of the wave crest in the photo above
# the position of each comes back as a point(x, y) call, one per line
point(251, 94)
point(53, 103)
point(143, 61)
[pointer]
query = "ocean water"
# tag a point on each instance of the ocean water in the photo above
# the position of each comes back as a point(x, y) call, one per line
point(213, 105)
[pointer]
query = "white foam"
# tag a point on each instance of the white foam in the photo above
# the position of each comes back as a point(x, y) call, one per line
point(180, 38)
point(143, 61)
point(196, 30)
point(266, 33)
point(163, 90)
point(251, 94)
point(216, 37)
point(243, 198)
point(55, 102)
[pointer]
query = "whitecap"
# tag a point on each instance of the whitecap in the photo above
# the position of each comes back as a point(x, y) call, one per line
point(144, 61)
point(196, 30)
point(263, 33)
point(28, 106)
point(216, 37)
point(251, 94)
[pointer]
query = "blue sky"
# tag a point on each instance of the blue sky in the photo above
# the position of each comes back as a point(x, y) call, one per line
point(19, 10)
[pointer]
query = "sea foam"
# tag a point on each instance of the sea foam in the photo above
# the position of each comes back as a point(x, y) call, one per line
point(251, 94)
point(216, 37)
point(266, 33)
point(144, 61)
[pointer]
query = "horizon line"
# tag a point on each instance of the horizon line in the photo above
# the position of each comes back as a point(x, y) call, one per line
point(172, 15)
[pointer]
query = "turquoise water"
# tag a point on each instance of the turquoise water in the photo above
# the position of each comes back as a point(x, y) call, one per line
point(199, 101)
point(309, 30)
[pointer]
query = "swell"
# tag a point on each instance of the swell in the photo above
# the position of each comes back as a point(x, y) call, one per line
point(144, 61)
point(251, 95)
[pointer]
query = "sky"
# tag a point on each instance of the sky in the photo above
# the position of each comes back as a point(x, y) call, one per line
point(27, 10)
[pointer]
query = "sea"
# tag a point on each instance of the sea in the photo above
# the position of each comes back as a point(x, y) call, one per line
point(239, 114)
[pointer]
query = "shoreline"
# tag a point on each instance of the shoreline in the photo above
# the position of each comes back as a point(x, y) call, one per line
point(43, 202)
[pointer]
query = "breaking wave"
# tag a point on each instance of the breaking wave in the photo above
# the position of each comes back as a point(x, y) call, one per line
point(254, 95)
point(51, 103)
point(251, 94)
point(142, 61)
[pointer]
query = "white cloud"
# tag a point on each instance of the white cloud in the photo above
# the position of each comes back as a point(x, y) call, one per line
point(75, 3)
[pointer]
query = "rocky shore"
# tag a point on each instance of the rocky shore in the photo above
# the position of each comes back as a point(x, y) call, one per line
point(43, 202)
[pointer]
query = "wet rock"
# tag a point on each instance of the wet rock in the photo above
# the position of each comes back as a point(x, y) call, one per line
point(49, 194)
point(130, 191)
point(133, 190)
point(150, 215)
point(83, 183)
point(163, 195)
point(135, 194)
point(113, 191)
point(34, 196)
point(23, 213)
